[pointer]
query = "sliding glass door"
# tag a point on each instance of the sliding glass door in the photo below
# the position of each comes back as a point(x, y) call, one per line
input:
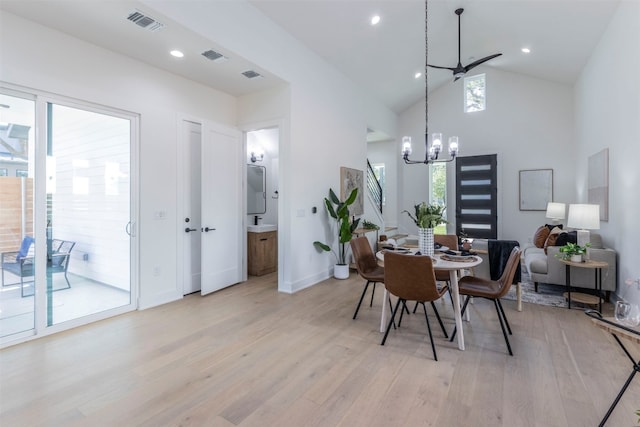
point(88, 184)
point(17, 245)
point(70, 211)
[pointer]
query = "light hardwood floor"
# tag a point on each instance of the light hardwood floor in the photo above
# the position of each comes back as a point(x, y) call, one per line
point(250, 356)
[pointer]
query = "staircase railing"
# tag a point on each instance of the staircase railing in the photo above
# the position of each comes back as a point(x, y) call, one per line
point(375, 190)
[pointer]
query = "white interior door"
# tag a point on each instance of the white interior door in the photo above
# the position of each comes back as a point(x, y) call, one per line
point(221, 190)
point(192, 204)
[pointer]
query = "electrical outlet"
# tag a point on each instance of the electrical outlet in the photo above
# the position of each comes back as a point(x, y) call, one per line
point(630, 282)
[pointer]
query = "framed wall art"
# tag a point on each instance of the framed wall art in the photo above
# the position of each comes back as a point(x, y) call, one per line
point(350, 179)
point(536, 189)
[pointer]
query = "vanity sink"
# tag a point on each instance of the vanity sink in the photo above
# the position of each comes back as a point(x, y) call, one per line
point(262, 228)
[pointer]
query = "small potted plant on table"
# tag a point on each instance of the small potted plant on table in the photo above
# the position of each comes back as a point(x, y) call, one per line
point(573, 252)
point(427, 217)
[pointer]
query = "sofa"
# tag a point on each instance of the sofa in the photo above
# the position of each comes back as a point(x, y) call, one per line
point(544, 266)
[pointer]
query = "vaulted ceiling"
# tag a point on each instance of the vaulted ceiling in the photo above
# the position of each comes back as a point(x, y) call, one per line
point(382, 59)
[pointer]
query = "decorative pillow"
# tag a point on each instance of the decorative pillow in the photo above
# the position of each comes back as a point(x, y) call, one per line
point(25, 247)
point(567, 237)
point(553, 237)
point(540, 236)
point(552, 226)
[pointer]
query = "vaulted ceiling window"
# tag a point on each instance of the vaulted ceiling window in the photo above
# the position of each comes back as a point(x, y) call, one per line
point(475, 93)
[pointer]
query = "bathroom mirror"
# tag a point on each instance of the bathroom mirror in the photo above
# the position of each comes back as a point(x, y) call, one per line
point(256, 190)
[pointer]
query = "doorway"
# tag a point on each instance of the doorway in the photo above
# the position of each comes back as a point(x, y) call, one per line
point(210, 226)
point(263, 194)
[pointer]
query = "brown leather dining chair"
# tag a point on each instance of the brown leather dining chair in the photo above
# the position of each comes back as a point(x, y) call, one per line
point(492, 289)
point(412, 278)
point(451, 242)
point(367, 266)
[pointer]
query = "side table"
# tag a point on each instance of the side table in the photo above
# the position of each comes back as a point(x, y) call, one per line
point(617, 330)
point(597, 266)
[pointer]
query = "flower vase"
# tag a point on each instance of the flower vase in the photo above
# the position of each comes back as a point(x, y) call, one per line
point(425, 241)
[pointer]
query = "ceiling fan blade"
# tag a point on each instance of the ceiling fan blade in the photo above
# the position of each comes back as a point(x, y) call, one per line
point(480, 61)
point(442, 68)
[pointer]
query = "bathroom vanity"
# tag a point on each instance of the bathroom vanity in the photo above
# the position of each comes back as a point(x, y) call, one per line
point(262, 249)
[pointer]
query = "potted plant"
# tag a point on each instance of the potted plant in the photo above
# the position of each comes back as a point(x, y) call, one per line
point(463, 240)
point(427, 217)
point(339, 211)
point(368, 225)
point(573, 252)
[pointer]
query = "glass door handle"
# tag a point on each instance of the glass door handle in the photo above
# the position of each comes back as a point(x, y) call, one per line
point(130, 229)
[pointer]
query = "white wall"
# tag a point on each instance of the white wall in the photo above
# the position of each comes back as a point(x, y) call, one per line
point(64, 65)
point(607, 98)
point(328, 122)
point(323, 131)
point(528, 123)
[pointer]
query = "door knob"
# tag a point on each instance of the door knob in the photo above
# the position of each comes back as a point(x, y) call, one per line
point(187, 230)
point(207, 229)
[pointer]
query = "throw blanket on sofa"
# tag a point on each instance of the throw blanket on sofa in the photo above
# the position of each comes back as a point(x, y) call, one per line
point(499, 251)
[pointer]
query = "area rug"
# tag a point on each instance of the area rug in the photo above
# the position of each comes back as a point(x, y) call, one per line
point(550, 295)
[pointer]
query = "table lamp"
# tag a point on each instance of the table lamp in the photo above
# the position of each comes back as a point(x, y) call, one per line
point(584, 218)
point(555, 211)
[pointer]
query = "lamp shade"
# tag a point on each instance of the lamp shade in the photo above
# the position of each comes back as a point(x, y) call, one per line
point(586, 217)
point(555, 210)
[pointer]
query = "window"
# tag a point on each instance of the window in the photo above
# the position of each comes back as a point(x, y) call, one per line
point(438, 193)
point(438, 184)
point(475, 96)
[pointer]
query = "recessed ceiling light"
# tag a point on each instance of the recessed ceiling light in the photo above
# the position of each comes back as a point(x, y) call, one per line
point(525, 50)
point(176, 53)
point(417, 75)
point(250, 74)
point(375, 19)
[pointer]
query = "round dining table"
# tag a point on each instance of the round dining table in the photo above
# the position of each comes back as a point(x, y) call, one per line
point(452, 264)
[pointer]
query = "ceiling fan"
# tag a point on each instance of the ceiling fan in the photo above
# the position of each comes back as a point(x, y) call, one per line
point(460, 70)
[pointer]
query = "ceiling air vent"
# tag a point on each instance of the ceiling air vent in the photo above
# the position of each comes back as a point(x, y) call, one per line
point(214, 56)
point(145, 21)
point(251, 74)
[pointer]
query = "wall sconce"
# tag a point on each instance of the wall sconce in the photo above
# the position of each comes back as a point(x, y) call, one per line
point(256, 156)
